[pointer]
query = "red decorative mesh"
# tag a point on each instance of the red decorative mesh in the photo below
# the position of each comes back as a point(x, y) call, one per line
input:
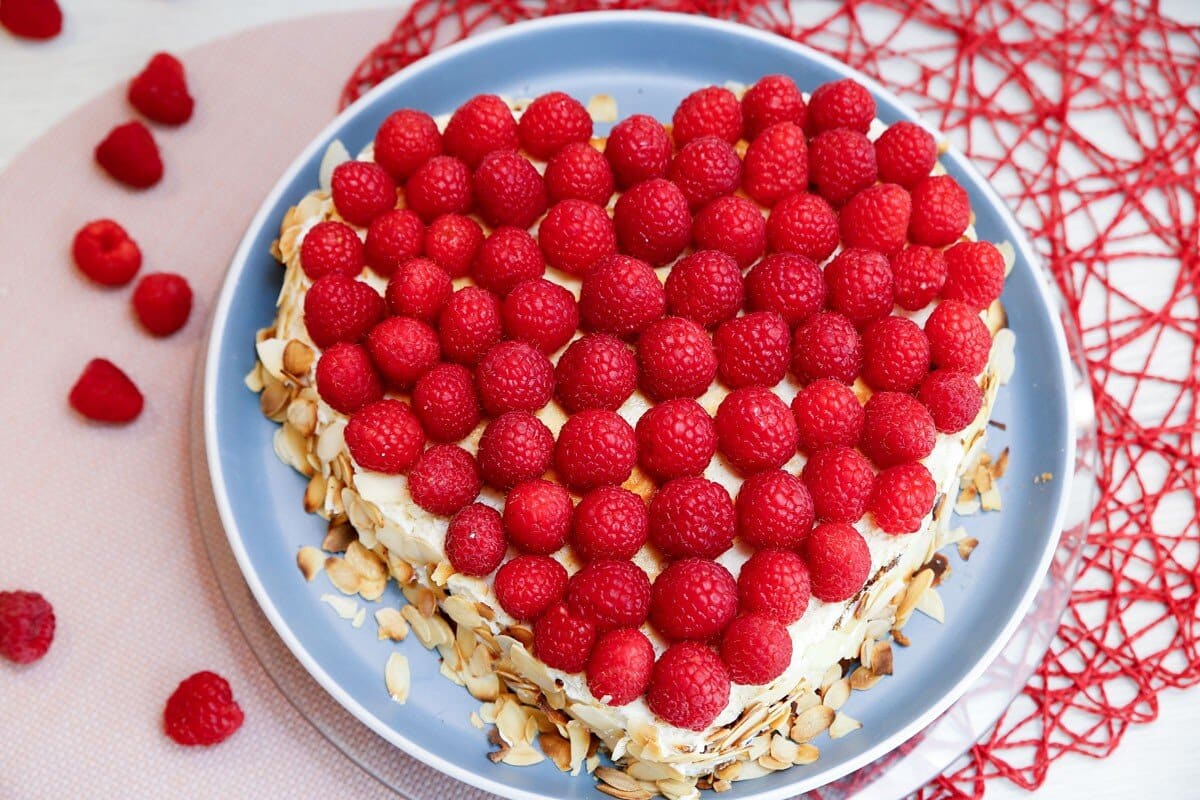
point(1022, 86)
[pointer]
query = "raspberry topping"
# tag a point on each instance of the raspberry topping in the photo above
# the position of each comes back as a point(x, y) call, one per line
point(860, 285)
point(563, 640)
point(638, 149)
point(756, 649)
point(482, 124)
point(32, 19)
point(787, 283)
point(385, 436)
point(452, 241)
point(958, 338)
point(753, 350)
point(711, 111)
point(953, 399)
point(877, 218)
point(362, 191)
point(919, 273)
point(576, 234)
point(773, 99)
point(595, 371)
point(595, 448)
point(27, 626)
point(897, 429)
point(775, 583)
point(509, 190)
point(528, 585)
point(507, 257)
point(444, 479)
point(160, 91)
point(609, 522)
point(104, 252)
point(541, 313)
point(777, 164)
point(841, 163)
point(755, 430)
point(841, 104)
point(406, 140)
point(346, 378)
point(652, 221)
point(689, 686)
point(974, 274)
point(675, 439)
point(162, 302)
point(444, 400)
point(621, 295)
point(692, 517)
point(732, 225)
point(804, 224)
point(706, 287)
point(393, 238)
point(104, 393)
point(475, 541)
point(839, 480)
point(902, 496)
point(340, 309)
point(469, 324)
point(895, 354)
point(515, 447)
point(579, 172)
point(941, 211)
point(201, 711)
point(676, 359)
point(705, 169)
point(839, 561)
point(619, 669)
point(906, 153)
point(693, 599)
point(332, 247)
point(826, 346)
point(774, 509)
point(827, 414)
point(418, 288)
point(403, 349)
point(551, 122)
point(130, 155)
point(612, 594)
point(442, 185)
point(537, 516)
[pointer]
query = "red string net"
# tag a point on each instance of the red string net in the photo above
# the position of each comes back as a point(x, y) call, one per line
point(1022, 87)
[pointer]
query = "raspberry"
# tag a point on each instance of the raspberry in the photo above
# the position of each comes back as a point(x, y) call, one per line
point(563, 640)
point(392, 238)
point(444, 479)
point(705, 169)
point(130, 155)
point(406, 140)
point(860, 285)
point(895, 355)
point(941, 211)
point(609, 522)
point(509, 190)
point(469, 324)
point(706, 287)
point(906, 153)
point(689, 686)
point(638, 149)
point(974, 274)
point(32, 19)
point(162, 302)
point(619, 669)
point(732, 225)
point(612, 594)
point(652, 221)
point(693, 599)
point(160, 91)
point(902, 496)
point(776, 164)
point(753, 350)
point(418, 288)
point(839, 562)
point(541, 313)
point(201, 711)
point(475, 541)
point(537, 516)
point(515, 447)
point(595, 371)
point(452, 241)
point(877, 218)
point(804, 224)
point(755, 430)
point(675, 439)
point(897, 429)
point(919, 273)
point(105, 253)
point(773, 99)
point(579, 172)
point(340, 309)
point(442, 185)
point(346, 378)
point(788, 284)
point(551, 122)
point(676, 359)
point(479, 126)
point(332, 247)
point(826, 346)
point(595, 448)
point(839, 480)
point(756, 649)
point(711, 111)
point(528, 585)
point(958, 338)
point(774, 509)
point(26, 626)
point(508, 256)
point(953, 399)
point(362, 191)
point(692, 517)
point(385, 436)
point(841, 163)
point(403, 349)
point(576, 234)
point(621, 295)
point(827, 414)
point(104, 393)
point(775, 583)
point(445, 402)
point(841, 104)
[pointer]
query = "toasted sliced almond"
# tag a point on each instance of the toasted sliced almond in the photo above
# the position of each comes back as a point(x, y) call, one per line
point(837, 694)
point(397, 677)
point(930, 604)
point(338, 537)
point(366, 563)
point(342, 575)
point(806, 754)
point(392, 624)
point(862, 679)
point(920, 582)
point(842, 725)
point(310, 560)
point(359, 618)
point(297, 358)
point(557, 749)
point(881, 658)
point(812, 723)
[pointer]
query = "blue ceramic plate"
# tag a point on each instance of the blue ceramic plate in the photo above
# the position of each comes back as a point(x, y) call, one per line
point(648, 61)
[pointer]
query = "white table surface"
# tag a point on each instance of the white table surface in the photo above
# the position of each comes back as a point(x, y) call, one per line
point(106, 42)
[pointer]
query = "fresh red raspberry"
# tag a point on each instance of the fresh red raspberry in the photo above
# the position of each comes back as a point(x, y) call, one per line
point(826, 345)
point(860, 285)
point(576, 234)
point(953, 399)
point(839, 480)
point(788, 284)
point(694, 598)
point(839, 562)
point(442, 185)
point(201, 711)
point(563, 640)
point(481, 125)
point(974, 274)
point(774, 509)
point(579, 172)
point(26, 626)
point(897, 429)
point(332, 247)
point(841, 163)
point(453, 241)
point(689, 686)
point(753, 350)
point(841, 104)
point(776, 164)
point(675, 439)
point(537, 516)
point(711, 111)
point(652, 221)
point(732, 225)
point(621, 295)
point(595, 371)
point(514, 448)
point(692, 517)
point(827, 414)
point(804, 224)
point(919, 273)
point(906, 153)
point(392, 238)
point(362, 191)
point(526, 586)
point(469, 324)
point(346, 378)
point(509, 256)
point(160, 91)
point(706, 287)
point(418, 288)
point(756, 649)
point(705, 169)
point(444, 480)
point(595, 448)
point(619, 669)
point(340, 309)
point(613, 594)
point(406, 140)
point(676, 358)
point(902, 496)
point(775, 583)
point(475, 542)
point(773, 99)
point(446, 403)
point(941, 211)
point(609, 522)
point(105, 253)
point(877, 218)
point(509, 190)
point(385, 436)
point(104, 393)
point(403, 349)
point(540, 312)
point(551, 122)
point(895, 355)
point(755, 430)
point(130, 155)
point(958, 338)
point(162, 302)
point(638, 149)
point(32, 19)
